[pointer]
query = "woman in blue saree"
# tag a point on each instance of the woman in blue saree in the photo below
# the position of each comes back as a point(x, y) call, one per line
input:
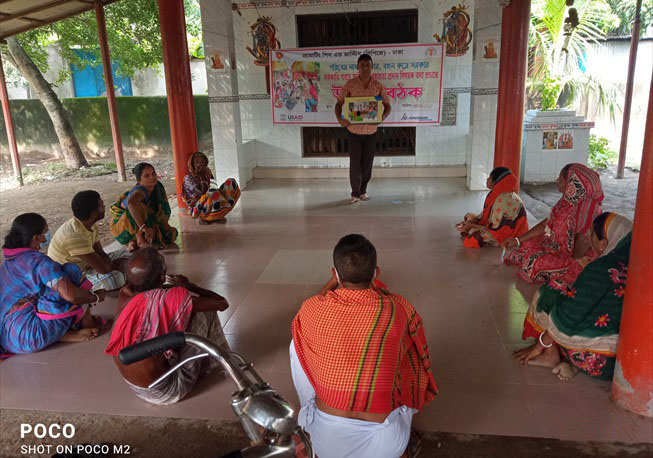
point(41, 300)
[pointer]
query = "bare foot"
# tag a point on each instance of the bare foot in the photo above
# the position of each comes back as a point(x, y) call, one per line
point(81, 335)
point(549, 358)
point(536, 356)
point(565, 371)
point(520, 354)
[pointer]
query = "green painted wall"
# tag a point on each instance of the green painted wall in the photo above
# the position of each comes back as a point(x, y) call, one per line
point(143, 123)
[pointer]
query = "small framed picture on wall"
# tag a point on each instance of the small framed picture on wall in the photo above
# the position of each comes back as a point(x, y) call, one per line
point(549, 140)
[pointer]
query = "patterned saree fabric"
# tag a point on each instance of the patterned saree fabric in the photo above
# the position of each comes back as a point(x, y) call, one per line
point(550, 256)
point(364, 351)
point(151, 314)
point(204, 198)
point(504, 215)
point(33, 315)
point(155, 212)
point(196, 183)
point(584, 320)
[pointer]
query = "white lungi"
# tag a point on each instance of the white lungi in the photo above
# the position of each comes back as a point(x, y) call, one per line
point(109, 281)
point(339, 437)
point(178, 384)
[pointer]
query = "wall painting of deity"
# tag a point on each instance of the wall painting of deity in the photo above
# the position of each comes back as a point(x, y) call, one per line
point(456, 33)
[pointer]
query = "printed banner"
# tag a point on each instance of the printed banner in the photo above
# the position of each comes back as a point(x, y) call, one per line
point(306, 82)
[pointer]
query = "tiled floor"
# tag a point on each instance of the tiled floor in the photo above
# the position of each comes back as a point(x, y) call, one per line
point(275, 251)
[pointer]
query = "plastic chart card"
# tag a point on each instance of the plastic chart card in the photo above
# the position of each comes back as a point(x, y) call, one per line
point(362, 110)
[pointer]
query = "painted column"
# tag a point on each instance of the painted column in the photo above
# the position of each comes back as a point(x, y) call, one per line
point(232, 160)
point(178, 87)
point(632, 386)
point(9, 125)
point(512, 84)
point(111, 95)
point(483, 107)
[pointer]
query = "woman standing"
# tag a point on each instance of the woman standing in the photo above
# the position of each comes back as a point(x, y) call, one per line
point(205, 203)
point(141, 215)
point(41, 301)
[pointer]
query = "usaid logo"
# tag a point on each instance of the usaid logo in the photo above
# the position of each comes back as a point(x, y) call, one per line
point(283, 117)
point(295, 117)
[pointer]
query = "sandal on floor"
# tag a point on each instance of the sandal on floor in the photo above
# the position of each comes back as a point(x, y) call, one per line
point(414, 444)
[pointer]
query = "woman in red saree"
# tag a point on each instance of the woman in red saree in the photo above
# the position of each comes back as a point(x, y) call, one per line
point(503, 216)
point(550, 251)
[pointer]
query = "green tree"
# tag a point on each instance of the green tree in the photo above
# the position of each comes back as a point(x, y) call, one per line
point(134, 37)
point(556, 55)
point(625, 11)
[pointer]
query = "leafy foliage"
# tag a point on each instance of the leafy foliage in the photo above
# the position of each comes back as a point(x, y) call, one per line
point(600, 154)
point(551, 89)
point(554, 60)
point(133, 32)
point(624, 10)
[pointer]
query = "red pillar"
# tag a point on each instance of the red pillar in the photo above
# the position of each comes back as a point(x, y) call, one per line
point(9, 125)
point(178, 87)
point(512, 84)
point(111, 96)
point(632, 387)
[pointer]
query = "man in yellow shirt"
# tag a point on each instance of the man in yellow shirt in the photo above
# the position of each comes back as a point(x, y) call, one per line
point(76, 241)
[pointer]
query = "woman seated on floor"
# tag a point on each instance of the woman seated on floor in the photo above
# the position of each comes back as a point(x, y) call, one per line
point(140, 216)
point(41, 300)
point(551, 249)
point(503, 216)
point(581, 324)
point(205, 202)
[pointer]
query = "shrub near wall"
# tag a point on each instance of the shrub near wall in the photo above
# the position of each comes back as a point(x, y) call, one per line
point(143, 124)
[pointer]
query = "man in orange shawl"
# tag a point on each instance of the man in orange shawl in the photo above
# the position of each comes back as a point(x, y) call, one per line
point(359, 361)
point(503, 217)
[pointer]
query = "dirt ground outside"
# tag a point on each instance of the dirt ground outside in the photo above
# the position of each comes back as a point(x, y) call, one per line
point(50, 188)
point(620, 194)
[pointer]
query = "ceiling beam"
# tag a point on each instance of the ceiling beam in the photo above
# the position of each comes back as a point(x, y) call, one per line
point(35, 9)
point(50, 20)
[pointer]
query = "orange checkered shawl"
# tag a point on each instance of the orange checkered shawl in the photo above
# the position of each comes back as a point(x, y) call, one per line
point(364, 351)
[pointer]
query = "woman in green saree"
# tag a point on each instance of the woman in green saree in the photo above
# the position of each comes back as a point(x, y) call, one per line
point(140, 216)
point(578, 328)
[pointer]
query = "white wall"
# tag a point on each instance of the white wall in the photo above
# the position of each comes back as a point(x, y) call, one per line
point(146, 82)
point(280, 145)
point(611, 62)
point(483, 119)
point(151, 81)
point(63, 90)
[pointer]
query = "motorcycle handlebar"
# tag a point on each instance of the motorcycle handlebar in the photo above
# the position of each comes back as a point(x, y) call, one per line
point(140, 351)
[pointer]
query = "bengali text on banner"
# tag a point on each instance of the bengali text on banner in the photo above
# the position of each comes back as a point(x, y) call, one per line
point(307, 82)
